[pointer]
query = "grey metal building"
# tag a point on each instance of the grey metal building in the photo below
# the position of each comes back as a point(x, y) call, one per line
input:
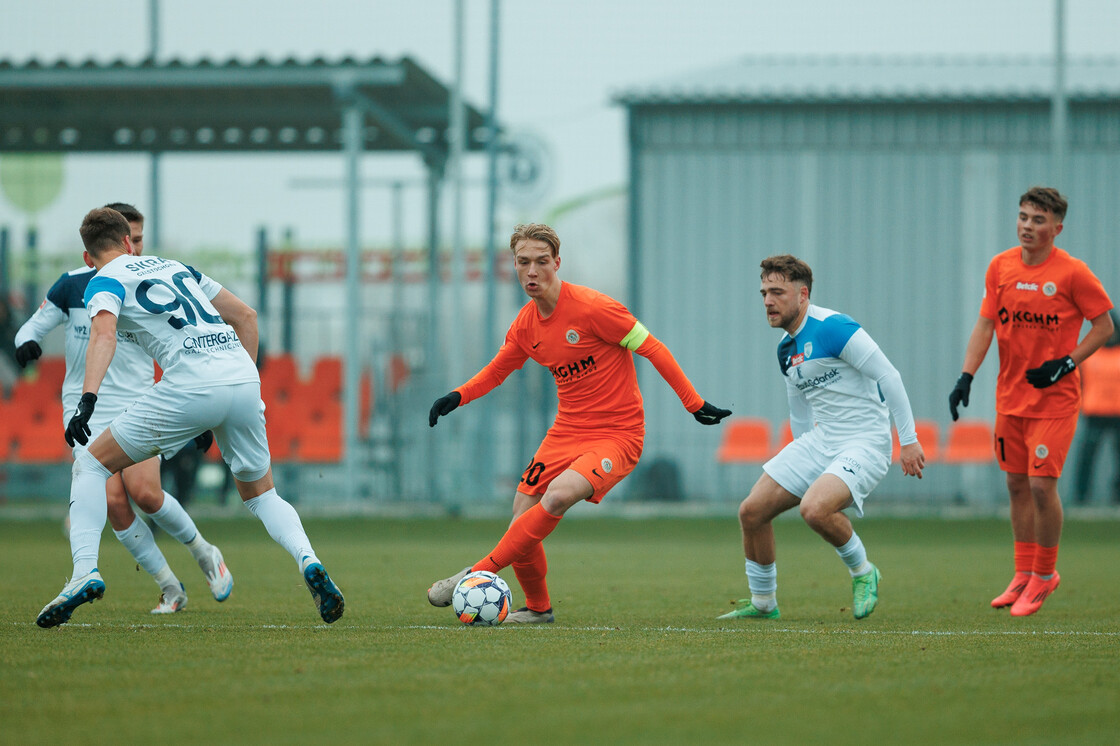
point(895, 178)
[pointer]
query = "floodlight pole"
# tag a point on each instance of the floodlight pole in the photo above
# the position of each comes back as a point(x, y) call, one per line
point(1059, 104)
point(485, 437)
point(154, 220)
point(352, 127)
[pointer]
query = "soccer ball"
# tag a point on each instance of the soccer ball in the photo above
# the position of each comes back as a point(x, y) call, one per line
point(481, 599)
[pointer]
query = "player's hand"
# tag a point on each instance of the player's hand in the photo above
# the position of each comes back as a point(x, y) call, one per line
point(204, 441)
point(78, 428)
point(1050, 372)
point(28, 351)
point(444, 405)
point(710, 414)
point(959, 394)
point(913, 459)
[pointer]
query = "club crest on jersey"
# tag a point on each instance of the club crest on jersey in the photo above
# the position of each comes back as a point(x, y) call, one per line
point(808, 350)
point(607, 465)
point(1041, 451)
point(572, 336)
point(1049, 289)
point(797, 359)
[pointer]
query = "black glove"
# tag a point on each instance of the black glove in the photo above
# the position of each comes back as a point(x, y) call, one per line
point(1049, 372)
point(28, 351)
point(444, 405)
point(710, 414)
point(204, 441)
point(78, 429)
point(959, 394)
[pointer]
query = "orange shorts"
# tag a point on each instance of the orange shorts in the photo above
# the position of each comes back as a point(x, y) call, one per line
point(1033, 446)
point(602, 459)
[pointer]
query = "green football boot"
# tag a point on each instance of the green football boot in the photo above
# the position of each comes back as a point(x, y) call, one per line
point(744, 609)
point(865, 593)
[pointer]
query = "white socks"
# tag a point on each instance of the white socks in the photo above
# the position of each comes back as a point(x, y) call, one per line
point(179, 526)
point(283, 525)
point(88, 511)
point(140, 543)
point(854, 556)
point(763, 582)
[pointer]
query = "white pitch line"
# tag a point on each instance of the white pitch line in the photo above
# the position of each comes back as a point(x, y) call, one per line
point(755, 628)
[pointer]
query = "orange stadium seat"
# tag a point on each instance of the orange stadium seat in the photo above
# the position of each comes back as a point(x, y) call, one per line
point(785, 436)
point(745, 440)
point(970, 441)
point(38, 435)
point(929, 435)
point(326, 377)
point(51, 372)
point(320, 433)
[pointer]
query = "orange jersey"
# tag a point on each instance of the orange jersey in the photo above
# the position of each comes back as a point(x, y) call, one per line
point(1038, 312)
point(587, 343)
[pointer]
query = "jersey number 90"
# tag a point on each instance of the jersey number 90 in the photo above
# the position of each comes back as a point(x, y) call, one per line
point(182, 300)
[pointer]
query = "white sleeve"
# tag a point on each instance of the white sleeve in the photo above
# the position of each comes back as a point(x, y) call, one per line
point(209, 286)
point(800, 411)
point(45, 318)
point(864, 355)
point(104, 301)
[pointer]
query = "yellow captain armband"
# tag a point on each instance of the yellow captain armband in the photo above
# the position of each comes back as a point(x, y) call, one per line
point(634, 339)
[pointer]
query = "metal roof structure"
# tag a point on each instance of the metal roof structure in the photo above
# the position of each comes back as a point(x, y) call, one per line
point(827, 79)
point(204, 106)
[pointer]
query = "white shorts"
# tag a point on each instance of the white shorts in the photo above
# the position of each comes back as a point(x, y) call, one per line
point(861, 464)
point(98, 423)
point(163, 420)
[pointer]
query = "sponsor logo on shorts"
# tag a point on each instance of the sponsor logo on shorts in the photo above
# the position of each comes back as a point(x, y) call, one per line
point(572, 336)
point(607, 465)
point(850, 465)
point(1049, 289)
point(1041, 451)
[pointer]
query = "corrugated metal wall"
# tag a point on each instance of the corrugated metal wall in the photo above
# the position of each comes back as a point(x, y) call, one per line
point(898, 210)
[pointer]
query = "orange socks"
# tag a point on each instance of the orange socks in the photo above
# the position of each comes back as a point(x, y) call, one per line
point(530, 528)
point(1045, 558)
point(531, 570)
point(1024, 556)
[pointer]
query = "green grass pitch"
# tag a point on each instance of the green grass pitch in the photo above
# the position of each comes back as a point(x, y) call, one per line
point(636, 654)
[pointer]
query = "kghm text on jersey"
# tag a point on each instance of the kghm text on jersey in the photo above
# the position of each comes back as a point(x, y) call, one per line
point(573, 371)
point(1029, 317)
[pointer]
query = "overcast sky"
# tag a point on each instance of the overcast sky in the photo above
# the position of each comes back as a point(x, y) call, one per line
point(560, 64)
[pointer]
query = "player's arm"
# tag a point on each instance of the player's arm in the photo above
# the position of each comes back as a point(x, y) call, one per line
point(974, 353)
point(862, 353)
point(241, 316)
point(648, 346)
point(99, 354)
point(46, 317)
point(510, 357)
point(1099, 332)
point(800, 411)
point(1051, 371)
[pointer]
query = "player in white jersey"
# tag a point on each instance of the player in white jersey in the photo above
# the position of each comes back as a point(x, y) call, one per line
point(205, 339)
point(842, 393)
point(129, 375)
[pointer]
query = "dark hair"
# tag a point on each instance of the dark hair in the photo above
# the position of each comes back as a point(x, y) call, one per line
point(103, 229)
point(131, 214)
point(1048, 199)
point(535, 232)
point(789, 267)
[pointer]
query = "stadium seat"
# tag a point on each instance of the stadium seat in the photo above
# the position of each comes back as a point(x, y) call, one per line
point(929, 435)
point(970, 441)
point(51, 372)
point(785, 436)
point(279, 378)
point(745, 440)
point(326, 377)
point(5, 431)
point(319, 436)
point(38, 435)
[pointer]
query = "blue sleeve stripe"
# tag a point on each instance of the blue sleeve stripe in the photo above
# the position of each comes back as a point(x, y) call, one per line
point(103, 285)
point(834, 333)
point(194, 272)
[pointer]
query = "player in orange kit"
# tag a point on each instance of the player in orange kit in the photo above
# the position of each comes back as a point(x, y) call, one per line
point(1036, 297)
point(586, 340)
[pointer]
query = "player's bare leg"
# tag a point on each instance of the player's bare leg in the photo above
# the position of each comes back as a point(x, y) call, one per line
point(1023, 532)
point(283, 525)
point(766, 501)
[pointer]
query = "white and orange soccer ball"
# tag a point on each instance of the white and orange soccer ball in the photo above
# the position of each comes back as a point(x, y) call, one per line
point(481, 599)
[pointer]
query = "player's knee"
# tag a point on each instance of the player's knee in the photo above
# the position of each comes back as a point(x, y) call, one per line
point(751, 515)
point(813, 513)
point(149, 498)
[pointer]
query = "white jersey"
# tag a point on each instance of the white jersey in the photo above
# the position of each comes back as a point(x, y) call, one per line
point(166, 305)
point(839, 379)
point(130, 374)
